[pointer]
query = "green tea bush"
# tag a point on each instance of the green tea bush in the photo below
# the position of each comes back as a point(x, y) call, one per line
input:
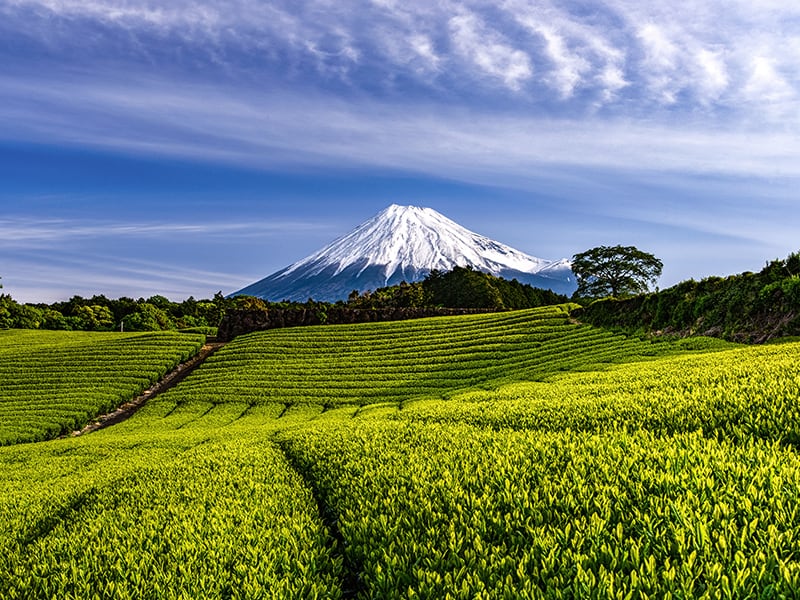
point(452, 511)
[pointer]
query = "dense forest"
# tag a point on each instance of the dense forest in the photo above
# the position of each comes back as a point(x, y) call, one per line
point(463, 287)
point(459, 288)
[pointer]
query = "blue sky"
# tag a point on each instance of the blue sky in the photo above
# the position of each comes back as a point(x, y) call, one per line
point(183, 148)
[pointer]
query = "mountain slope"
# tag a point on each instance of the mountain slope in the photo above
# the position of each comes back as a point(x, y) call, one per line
point(404, 243)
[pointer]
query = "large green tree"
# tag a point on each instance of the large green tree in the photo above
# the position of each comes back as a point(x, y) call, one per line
point(615, 271)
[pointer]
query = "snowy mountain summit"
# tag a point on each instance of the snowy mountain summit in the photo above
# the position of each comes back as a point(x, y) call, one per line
point(404, 243)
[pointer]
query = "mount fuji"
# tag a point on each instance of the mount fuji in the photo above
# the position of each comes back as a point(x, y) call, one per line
point(404, 243)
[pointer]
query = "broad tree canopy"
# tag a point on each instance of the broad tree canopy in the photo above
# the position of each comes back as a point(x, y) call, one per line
point(615, 271)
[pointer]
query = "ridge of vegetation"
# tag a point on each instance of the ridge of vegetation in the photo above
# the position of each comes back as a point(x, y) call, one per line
point(333, 366)
point(462, 287)
point(749, 307)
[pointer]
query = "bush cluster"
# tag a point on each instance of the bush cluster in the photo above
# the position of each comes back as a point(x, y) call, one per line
point(463, 287)
point(751, 307)
point(99, 313)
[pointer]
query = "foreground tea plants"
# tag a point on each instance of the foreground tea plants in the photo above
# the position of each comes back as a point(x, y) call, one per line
point(226, 519)
point(53, 382)
point(738, 394)
point(452, 511)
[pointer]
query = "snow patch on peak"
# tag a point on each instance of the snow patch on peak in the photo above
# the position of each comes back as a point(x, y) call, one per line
point(414, 239)
point(404, 243)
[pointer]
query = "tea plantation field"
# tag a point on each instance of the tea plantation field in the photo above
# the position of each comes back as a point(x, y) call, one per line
point(511, 455)
point(55, 381)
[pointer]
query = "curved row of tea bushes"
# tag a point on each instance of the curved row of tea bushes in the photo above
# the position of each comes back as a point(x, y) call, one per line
point(454, 511)
point(738, 394)
point(392, 362)
point(56, 381)
point(227, 519)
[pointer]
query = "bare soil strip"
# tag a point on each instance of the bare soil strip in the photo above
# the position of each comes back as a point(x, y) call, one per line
point(169, 380)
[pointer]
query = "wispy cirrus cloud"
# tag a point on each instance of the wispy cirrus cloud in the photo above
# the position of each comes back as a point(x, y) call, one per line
point(42, 257)
point(263, 130)
point(576, 54)
point(487, 50)
point(626, 56)
point(36, 278)
point(27, 232)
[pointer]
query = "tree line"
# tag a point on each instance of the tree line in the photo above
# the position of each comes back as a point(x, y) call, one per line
point(462, 287)
point(749, 307)
point(617, 271)
point(100, 313)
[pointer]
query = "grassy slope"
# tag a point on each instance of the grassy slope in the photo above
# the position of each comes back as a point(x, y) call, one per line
point(443, 483)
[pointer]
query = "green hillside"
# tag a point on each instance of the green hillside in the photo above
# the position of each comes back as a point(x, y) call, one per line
point(510, 455)
point(382, 362)
point(56, 381)
point(749, 307)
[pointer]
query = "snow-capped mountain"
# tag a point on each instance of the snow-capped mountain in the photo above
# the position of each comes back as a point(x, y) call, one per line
point(404, 243)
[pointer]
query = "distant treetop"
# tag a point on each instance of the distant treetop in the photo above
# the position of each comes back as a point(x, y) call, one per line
point(615, 271)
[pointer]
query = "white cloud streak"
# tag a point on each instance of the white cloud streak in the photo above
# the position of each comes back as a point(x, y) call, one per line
point(275, 131)
point(487, 49)
point(19, 233)
point(626, 55)
point(765, 83)
point(28, 278)
point(41, 258)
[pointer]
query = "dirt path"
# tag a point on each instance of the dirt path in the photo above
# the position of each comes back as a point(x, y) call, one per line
point(169, 380)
